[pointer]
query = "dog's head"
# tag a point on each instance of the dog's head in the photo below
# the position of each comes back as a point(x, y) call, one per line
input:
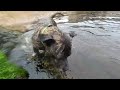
point(52, 40)
point(47, 40)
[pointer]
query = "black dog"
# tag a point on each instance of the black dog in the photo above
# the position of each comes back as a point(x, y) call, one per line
point(49, 40)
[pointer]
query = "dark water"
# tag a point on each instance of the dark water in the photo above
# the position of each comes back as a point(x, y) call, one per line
point(95, 50)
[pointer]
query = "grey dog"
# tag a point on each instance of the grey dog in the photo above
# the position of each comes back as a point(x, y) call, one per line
point(49, 40)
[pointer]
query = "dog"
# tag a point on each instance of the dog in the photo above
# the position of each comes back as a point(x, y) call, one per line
point(49, 40)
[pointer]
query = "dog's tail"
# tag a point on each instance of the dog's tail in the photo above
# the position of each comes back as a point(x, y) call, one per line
point(57, 14)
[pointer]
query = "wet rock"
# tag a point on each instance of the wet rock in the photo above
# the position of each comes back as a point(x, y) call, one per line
point(7, 47)
point(8, 39)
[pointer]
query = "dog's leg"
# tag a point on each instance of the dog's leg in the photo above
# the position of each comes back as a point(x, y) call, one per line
point(36, 51)
point(35, 54)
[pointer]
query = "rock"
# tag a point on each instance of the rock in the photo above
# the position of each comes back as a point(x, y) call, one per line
point(7, 47)
point(8, 39)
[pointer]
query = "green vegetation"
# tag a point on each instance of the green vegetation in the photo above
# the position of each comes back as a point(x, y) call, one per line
point(9, 70)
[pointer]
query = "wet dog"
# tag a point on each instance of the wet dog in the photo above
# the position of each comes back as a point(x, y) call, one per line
point(48, 40)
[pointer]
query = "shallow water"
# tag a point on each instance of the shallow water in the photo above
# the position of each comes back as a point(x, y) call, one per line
point(95, 50)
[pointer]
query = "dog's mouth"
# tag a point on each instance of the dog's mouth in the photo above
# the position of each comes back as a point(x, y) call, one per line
point(49, 42)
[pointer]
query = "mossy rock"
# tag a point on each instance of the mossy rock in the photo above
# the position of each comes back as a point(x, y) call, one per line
point(9, 70)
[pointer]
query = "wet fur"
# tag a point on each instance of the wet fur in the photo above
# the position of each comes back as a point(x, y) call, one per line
point(59, 39)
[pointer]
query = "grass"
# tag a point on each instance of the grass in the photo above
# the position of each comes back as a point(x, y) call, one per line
point(9, 70)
